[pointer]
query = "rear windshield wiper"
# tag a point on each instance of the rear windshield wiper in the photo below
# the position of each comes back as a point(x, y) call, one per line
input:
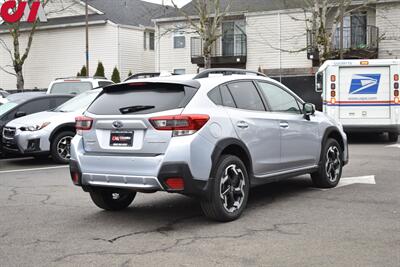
point(134, 109)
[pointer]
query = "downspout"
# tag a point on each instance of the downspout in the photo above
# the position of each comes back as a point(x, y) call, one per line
point(119, 49)
point(158, 48)
point(280, 46)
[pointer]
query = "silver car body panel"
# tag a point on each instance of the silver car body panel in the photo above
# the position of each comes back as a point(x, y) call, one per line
point(274, 150)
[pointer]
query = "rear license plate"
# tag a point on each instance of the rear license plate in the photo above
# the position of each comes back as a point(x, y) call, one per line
point(121, 139)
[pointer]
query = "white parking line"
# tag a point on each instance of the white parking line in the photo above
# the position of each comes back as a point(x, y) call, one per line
point(34, 169)
point(395, 146)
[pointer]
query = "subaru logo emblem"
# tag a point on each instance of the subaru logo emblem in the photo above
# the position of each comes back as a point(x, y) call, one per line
point(118, 124)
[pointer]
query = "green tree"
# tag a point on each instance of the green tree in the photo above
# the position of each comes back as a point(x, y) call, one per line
point(115, 76)
point(83, 72)
point(100, 70)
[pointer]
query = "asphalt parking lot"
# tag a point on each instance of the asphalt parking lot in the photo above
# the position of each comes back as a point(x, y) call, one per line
point(46, 221)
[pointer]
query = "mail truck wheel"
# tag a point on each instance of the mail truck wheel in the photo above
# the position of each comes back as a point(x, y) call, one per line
point(393, 137)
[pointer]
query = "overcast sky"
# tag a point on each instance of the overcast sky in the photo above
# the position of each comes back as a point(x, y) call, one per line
point(178, 2)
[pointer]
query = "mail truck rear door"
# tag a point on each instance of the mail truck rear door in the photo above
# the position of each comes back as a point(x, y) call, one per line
point(364, 92)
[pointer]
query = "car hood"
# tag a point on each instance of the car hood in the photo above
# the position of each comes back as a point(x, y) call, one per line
point(45, 116)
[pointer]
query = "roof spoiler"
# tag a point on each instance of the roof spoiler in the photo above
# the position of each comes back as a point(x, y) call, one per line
point(126, 85)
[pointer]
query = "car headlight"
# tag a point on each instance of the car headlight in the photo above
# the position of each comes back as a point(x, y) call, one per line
point(33, 128)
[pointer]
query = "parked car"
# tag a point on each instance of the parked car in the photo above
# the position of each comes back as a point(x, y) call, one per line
point(22, 104)
point(48, 132)
point(76, 85)
point(208, 137)
point(3, 96)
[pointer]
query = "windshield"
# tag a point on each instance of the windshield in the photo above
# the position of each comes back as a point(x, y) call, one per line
point(7, 107)
point(70, 88)
point(79, 102)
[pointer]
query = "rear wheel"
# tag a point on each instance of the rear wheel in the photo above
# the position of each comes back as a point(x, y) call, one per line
point(61, 147)
point(112, 200)
point(230, 190)
point(393, 137)
point(330, 169)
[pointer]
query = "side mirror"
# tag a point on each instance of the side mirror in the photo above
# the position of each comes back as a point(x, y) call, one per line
point(318, 88)
point(20, 114)
point(308, 110)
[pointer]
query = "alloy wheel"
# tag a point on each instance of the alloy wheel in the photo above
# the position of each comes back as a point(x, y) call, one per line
point(64, 147)
point(232, 191)
point(333, 163)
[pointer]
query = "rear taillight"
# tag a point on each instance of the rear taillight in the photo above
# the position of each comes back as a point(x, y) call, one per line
point(83, 123)
point(180, 125)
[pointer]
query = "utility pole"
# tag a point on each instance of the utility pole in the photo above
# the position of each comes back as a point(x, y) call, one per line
point(87, 37)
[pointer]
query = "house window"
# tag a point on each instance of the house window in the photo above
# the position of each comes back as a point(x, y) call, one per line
point(151, 40)
point(179, 40)
point(354, 31)
point(145, 40)
point(179, 71)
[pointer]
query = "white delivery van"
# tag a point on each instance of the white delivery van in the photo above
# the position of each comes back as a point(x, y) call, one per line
point(363, 95)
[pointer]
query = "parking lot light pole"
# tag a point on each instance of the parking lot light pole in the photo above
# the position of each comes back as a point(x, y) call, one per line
point(87, 37)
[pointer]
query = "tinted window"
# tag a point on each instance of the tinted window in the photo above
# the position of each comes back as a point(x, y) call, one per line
point(36, 105)
point(126, 99)
point(278, 99)
point(215, 96)
point(103, 84)
point(246, 96)
point(70, 88)
point(57, 101)
point(227, 99)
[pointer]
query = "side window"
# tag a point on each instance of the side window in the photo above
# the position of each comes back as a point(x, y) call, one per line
point(35, 106)
point(151, 40)
point(104, 84)
point(59, 101)
point(179, 40)
point(215, 96)
point(278, 99)
point(246, 96)
point(227, 99)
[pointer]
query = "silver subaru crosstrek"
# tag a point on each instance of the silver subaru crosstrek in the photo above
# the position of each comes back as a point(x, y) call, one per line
point(210, 136)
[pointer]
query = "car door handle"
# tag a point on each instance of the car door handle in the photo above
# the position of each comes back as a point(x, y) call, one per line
point(284, 124)
point(242, 125)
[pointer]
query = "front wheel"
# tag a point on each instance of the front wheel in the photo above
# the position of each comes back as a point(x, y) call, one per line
point(61, 147)
point(229, 191)
point(330, 169)
point(112, 200)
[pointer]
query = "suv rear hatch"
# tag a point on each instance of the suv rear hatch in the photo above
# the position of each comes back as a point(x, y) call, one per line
point(121, 117)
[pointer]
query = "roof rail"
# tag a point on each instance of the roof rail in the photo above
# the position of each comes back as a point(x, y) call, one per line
point(206, 73)
point(81, 77)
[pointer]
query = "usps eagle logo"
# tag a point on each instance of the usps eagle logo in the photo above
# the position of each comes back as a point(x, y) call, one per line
point(365, 84)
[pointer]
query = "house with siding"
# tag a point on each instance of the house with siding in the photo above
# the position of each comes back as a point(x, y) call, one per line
point(272, 35)
point(121, 34)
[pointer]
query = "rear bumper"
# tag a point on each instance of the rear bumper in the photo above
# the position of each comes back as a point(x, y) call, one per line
point(395, 128)
point(192, 187)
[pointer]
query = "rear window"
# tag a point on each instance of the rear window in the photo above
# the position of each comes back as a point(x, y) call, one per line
point(70, 88)
point(126, 99)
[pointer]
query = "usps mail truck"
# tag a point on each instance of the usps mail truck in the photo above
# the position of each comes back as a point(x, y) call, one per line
point(363, 95)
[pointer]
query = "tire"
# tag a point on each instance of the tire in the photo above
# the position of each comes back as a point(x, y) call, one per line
point(330, 169)
point(229, 191)
point(112, 200)
point(393, 137)
point(61, 139)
